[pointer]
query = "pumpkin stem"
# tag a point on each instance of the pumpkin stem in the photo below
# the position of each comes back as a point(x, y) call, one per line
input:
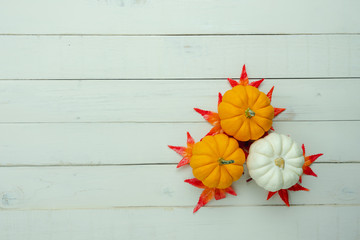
point(280, 162)
point(224, 162)
point(249, 113)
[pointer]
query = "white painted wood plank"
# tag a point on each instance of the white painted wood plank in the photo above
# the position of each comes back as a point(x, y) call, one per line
point(178, 17)
point(93, 144)
point(99, 57)
point(252, 223)
point(161, 185)
point(166, 101)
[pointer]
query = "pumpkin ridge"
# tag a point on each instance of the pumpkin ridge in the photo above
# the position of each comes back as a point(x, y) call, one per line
point(259, 142)
point(294, 175)
point(274, 176)
point(282, 147)
point(274, 144)
point(219, 175)
point(262, 102)
point(254, 91)
point(273, 150)
point(215, 166)
point(265, 154)
point(235, 106)
point(262, 124)
point(242, 129)
point(266, 165)
point(270, 172)
point(254, 105)
point(239, 129)
point(205, 154)
point(291, 163)
point(247, 95)
point(284, 153)
point(217, 139)
point(228, 118)
point(207, 164)
point(225, 167)
point(267, 174)
point(291, 168)
point(217, 145)
point(215, 154)
point(292, 145)
point(261, 114)
point(225, 156)
point(240, 122)
point(228, 110)
point(230, 156)
point(249, 128)
point(239, 163)
point(256, 102)
point(288, 151)
point(225, 180)
point(255, 122)
point(199, 160)
point(239, 92)
point(242, 171)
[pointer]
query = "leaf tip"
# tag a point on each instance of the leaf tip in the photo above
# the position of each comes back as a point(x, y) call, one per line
point(232, 82)
point(303, 148)
point(197, 207)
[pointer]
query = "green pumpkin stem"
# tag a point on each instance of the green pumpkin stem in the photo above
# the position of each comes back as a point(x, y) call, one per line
point(224, 162)
point(249, 113)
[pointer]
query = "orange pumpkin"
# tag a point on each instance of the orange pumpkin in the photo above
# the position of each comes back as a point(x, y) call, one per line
point(217, 161)
point(245, 113)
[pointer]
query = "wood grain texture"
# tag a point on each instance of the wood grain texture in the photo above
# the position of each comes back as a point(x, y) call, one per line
point(92, 91)
point(327, 223)
point(146, 143)
point(162, 185)
point(100, 57)
point(179, 17)
point(166, 101)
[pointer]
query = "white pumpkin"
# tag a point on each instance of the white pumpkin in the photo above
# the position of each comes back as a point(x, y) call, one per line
point(275, 162)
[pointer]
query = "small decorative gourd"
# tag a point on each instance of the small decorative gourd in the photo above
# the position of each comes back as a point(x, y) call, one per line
point(245, 113)
point(217, 161)
point(275, 162)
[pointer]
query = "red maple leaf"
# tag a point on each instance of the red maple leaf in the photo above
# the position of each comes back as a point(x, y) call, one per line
point(186, 152)
point(213, 118)
point(277, 111)
point(283, 193)
point(208, 193)
point(244, 80)
point(308, 161)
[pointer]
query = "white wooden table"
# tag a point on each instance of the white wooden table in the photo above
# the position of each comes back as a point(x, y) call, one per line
point(92, 91)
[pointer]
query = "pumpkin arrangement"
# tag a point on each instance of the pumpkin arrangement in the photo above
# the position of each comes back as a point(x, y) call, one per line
point(241, 134)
